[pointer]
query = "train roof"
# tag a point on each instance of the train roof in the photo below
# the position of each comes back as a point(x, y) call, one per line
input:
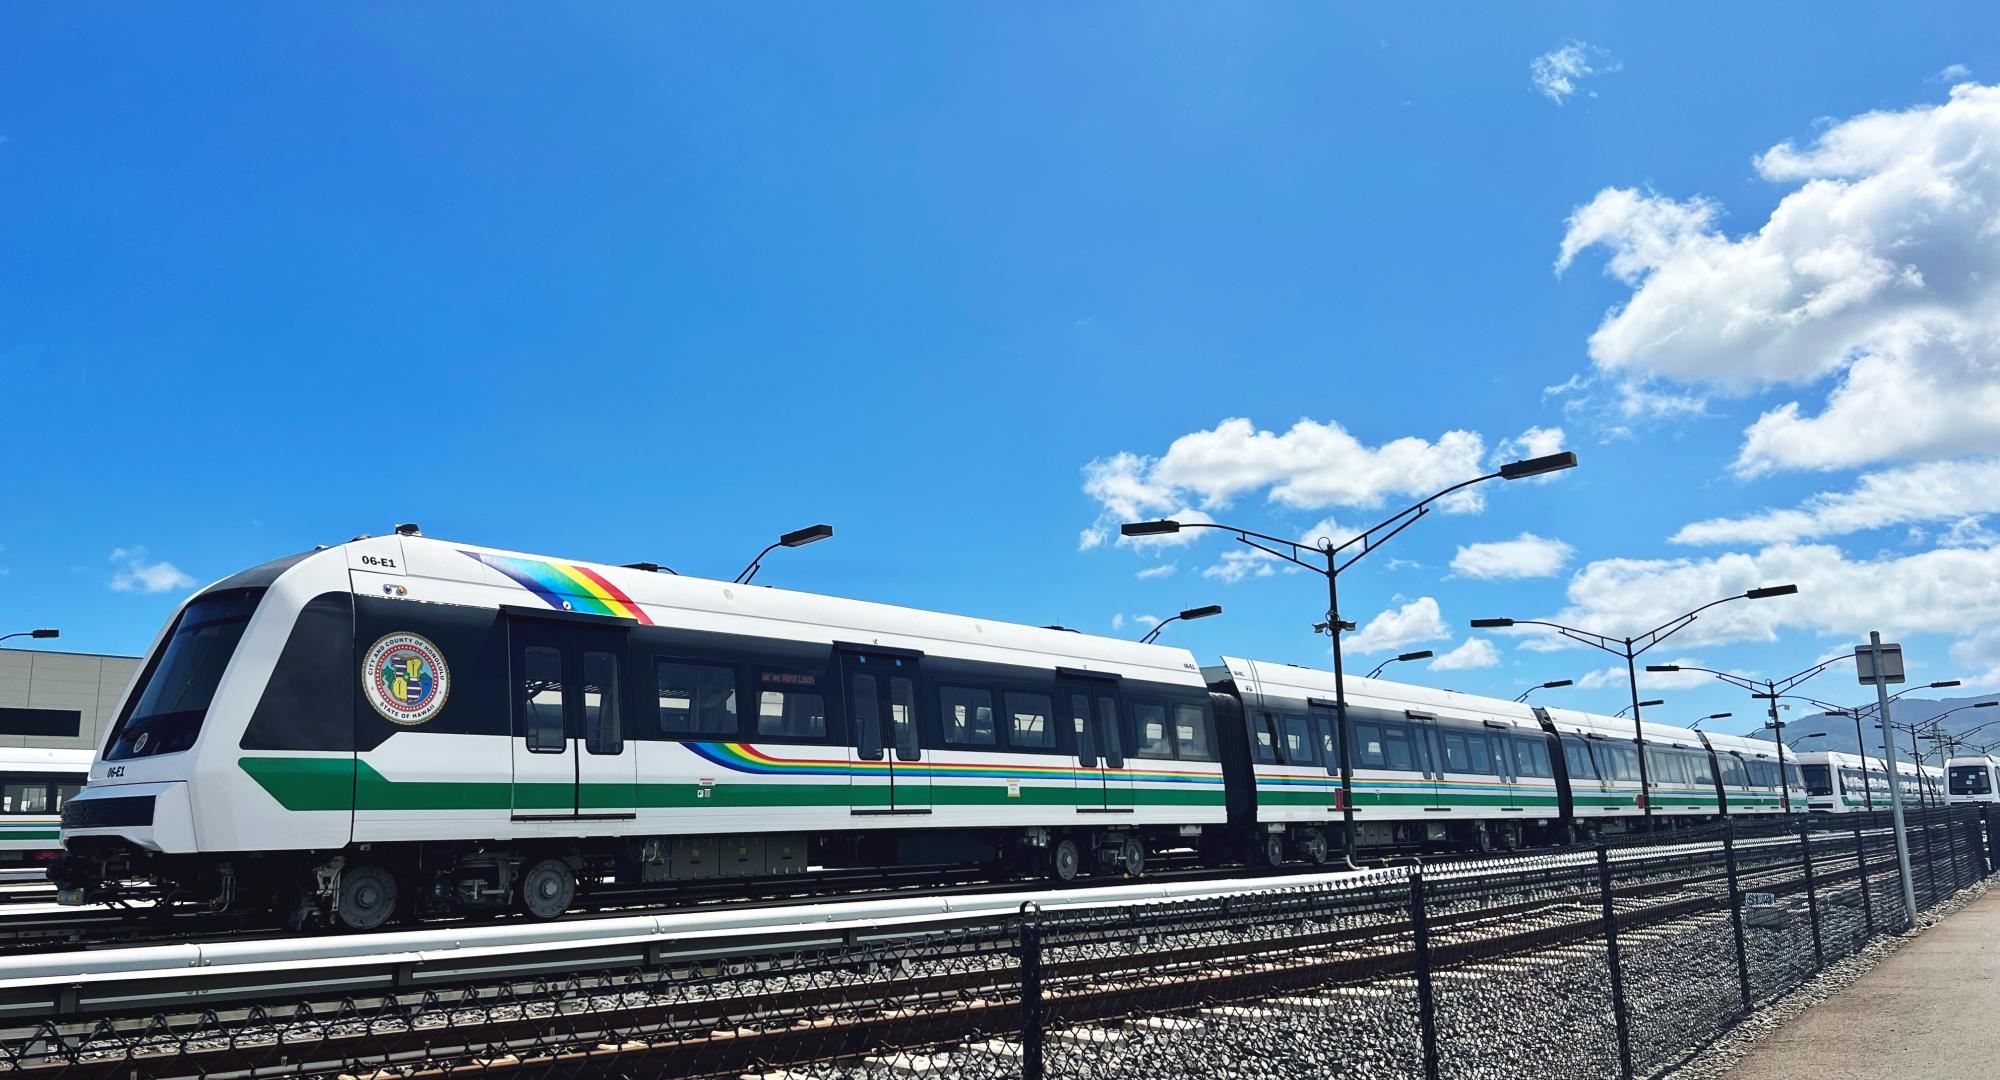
point(421, 568)
point(1290, 680)
point(20, 759)
point(1835, 757)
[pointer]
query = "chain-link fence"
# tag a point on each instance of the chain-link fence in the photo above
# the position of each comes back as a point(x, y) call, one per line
point(1611, 961)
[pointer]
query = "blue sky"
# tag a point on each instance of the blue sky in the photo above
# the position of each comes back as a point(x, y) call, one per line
point(644, 284)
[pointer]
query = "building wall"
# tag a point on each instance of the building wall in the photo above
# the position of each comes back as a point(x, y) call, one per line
point(53, 683)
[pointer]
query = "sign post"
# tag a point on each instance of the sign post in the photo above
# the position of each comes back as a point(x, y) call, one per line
point(1881, 665)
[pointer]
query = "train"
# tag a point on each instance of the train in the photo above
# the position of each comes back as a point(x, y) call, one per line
point(1973, 778)
point(35, 782)
point(1839, 783)
point(404, 727)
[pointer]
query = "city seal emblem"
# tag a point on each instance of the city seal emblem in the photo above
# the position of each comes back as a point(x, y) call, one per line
point(406, 678)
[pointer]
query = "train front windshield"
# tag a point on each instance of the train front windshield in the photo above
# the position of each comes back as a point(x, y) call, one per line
point(180, 683)
point(1819, 779)
point(1971, 780)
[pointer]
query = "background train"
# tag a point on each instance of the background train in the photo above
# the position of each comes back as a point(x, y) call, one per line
point(34, 785)
point(1838, 783)
point(1973, 778)
point(405, 726)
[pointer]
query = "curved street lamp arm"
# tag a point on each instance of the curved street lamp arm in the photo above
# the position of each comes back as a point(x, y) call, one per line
point(1154, 633)
point(751, 570)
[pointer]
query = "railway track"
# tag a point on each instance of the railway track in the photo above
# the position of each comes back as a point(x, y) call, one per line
point(963, 981)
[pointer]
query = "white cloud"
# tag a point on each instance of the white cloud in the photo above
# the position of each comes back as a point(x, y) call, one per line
point(1952, 73)
point(1525, 556)
point(1118, 622)
point(1934, 491)
point(1880, 270)
point(1310, 466)
point(1648, 680)
point(1160, 571)
point(1146, 620)
point(1532, 443)
point(1240, 563)
point(1556, 74)
point(1948, 590)
point(1475, 653)
point(1417, 621)
point(1979, 653)
point(135, 574)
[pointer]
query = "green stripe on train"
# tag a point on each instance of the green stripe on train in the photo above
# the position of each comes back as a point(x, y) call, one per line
point(342, 784)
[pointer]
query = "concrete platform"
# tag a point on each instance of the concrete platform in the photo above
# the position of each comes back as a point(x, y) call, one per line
point(1926, 1013)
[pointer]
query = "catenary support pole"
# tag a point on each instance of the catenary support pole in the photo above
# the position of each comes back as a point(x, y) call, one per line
point(1426, 1005)
point(1613, 960)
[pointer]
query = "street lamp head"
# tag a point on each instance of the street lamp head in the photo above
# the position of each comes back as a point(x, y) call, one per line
point(1558, 682)
point(1649, 704)
point(802, 537)
point(1489, 624)
point(1718, 716)
point(1985, 704)
point(1945, 683)
point(1149, 528)
point(1516, 470)
point(45, 632)
point(1663, 667)
point(1424, 655)
point(1200, 612)
point(1770, 591)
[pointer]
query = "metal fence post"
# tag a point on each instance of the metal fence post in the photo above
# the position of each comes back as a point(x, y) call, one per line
point(1426, 1006)
point(1927, 816)
point(1867, 901)
point(1736, 914)
point(1031, 991)
point(1954, 875)
point(1992, 841)
point(1617, 967)
point(1812, 893)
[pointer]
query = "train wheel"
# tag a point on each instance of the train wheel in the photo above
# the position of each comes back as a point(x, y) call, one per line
point(367, 897)
point(1065, 861)
point(1132, 857)
point(1316, 849)
point(547, 889)
point(1274, 849)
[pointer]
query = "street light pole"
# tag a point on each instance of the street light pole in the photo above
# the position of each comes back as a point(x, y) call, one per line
point(1630, 648)
point(1292, 551)
point(1523, 696)
point(1772, 689)
point(796, 538)
point(1189, 615)
point(1425, 654)
point(44, 632)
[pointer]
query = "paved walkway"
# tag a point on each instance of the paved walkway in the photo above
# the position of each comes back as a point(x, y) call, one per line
point(1925, 1013)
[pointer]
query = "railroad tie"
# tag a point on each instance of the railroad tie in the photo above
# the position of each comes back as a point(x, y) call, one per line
point(1166, 1023)
point(916, 1064)
point(1240, 1012)
point(1089, 1035)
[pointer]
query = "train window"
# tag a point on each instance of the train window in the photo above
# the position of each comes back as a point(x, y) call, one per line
point(1467, 752)
point(1733, 774)
point(695, 699)
point(1191, 739)
point(1298, 741)
point(1107, 717)
point(1150, 720)
point(1699, 769)
point(1368, 745)
point(177, 688)
point(1615, 762)
point(789, 706)
point(903, 718)
point(24, 798)
point(1454, 751)
point(1329, 739)
point(64, 791)
point(1576, 757)
point(1028, 726)
point(542, 699)
point(1971, 780)
point(1397, 748)
point(602, 731)
point(1531, 756)
point(1267, 747)
point(1818, 779)
point(968, 716)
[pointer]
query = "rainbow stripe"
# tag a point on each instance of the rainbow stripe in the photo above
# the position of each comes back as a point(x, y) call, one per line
point(745, 758)
point(566, 586)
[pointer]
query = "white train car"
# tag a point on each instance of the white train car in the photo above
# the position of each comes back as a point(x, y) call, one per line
point(1838, 783)
point(1752, 782)
point(34, 784)
point(1430, 767)
point(1973, 779)
point(405, 725)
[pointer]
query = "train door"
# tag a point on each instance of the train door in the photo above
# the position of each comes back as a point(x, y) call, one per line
point(569, 751)
point(890, 774)
point(1091, 708)
point(1500, 737)
point(1434, 753)
point(1326, 726)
